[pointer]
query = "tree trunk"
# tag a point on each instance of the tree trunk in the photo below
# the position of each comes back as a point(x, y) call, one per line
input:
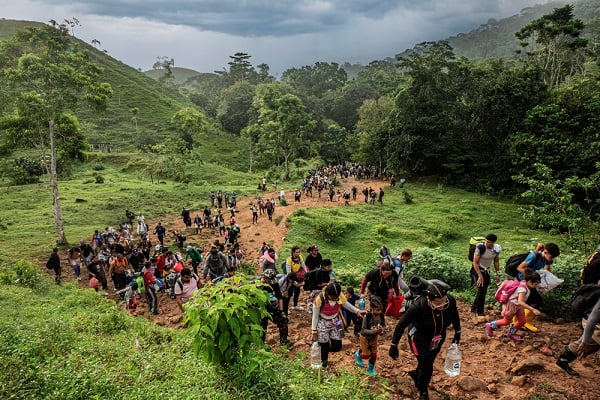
point(286, 157)
point(56, 208)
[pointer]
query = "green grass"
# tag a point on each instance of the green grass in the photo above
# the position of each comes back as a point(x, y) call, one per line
point(63, 342)
point(67, 343)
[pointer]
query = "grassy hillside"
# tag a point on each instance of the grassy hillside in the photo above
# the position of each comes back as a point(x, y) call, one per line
point(155, 104)
point(180, 75)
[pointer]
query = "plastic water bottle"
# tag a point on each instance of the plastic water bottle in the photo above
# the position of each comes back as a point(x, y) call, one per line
point(453, 360)
point(331, 276)
point(362, 304)
point(315, 355)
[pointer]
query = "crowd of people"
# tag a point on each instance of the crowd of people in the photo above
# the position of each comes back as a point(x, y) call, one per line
point(148, 265)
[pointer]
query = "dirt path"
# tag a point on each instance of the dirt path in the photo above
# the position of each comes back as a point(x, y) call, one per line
point(487, 362)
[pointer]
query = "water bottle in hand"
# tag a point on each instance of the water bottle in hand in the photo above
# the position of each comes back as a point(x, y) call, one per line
point(315, 355)
point(453, 360)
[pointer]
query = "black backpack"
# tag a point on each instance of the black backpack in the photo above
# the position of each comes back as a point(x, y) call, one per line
point(591, 271)
point(584, 299)
point(513, 262)
point(476, 242)
point(310, 280)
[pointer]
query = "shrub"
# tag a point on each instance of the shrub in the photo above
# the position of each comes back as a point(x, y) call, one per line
point(331, 231)
point(408, 199)
point(21, 273)
point(433, 263)
point(225, 320)
point(99, 178)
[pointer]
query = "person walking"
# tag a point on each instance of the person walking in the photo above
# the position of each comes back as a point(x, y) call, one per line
point(427, 320)
point(294, 264)
point(586, 344)
point(485, 254)
point(515, 307)
point(326, 326)
point(53, 263)
point(371, 329)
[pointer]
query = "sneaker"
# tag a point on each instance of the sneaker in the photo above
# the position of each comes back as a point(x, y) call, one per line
point(104, 292)
point(359, 361)
point(564, 365)
point(298, 308)
point(79, 278)
point(489, 329)
point(514, 337)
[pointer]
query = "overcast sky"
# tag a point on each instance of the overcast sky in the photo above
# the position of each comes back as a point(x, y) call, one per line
point(202, 34)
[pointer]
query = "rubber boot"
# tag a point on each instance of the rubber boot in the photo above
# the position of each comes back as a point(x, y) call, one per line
point(512, 334)
point(371, 369)
point(564, 359)
point(529, 317)
point(358, 360)
point(489, 328)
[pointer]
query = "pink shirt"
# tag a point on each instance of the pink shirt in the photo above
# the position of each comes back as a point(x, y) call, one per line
point(188, 290)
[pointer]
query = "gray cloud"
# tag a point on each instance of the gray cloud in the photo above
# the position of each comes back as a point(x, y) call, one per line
point(201, 34)
point(257, 18)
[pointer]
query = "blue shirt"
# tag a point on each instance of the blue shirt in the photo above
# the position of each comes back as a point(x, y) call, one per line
point(535, 261)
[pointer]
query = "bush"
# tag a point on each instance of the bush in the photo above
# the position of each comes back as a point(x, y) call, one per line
point(408, 199)
point(21, 273)
point(433, 263)
point(225, 320)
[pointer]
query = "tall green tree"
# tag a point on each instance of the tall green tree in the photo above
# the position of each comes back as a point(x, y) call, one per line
point(235, 108)
point(316, 80)
point(425, 130)
point(372, 133)
point(241, 69)
point(282, 129)
point(47, 75)
point(189, 122)
point(563, 134)
point(554, 43)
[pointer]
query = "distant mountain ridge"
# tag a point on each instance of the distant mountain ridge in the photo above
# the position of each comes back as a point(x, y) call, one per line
point(496, 38)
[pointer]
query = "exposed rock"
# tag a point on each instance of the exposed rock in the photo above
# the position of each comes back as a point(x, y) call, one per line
point(545, 350)
point(471, 384)
point(528, 364)
point(520, 381)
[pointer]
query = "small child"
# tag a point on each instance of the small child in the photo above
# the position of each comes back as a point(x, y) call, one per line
point(372, 327)
point(350, 316)
point(515, 306)
point(130, 297)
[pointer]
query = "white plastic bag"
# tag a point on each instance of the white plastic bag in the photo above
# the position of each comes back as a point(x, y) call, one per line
point(549, 280)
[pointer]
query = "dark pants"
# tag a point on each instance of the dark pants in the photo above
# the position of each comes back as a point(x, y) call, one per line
point(425, 359)
point(331, 346)
point(152, 300)
point(280, 319)
point(295, 291)
point(479, 301)
point(535, 299)
point(195, 264)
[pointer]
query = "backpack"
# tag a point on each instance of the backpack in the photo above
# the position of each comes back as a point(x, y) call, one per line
point(182, 238)
point(476, 242)
point(591, 271)
point(310, 280)
point(269, 205)
point(513, 262)
point(140, 283)
point(506, 289)
point(584, 299)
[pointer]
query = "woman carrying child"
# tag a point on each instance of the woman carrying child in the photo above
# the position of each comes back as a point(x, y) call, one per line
point(516, 306)
point(372, 328)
